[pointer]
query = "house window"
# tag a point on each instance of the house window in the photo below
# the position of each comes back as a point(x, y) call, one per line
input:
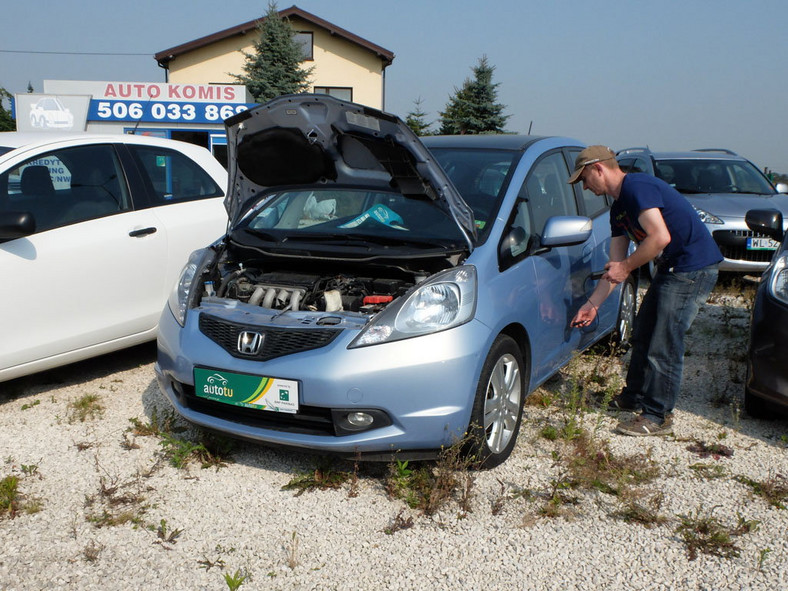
point(304, 39)
point(344, 93)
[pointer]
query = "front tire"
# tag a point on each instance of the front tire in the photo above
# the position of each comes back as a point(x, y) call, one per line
point(498, 406)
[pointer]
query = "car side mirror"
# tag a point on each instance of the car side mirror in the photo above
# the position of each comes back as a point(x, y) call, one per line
point(781, 187)
point(16, 224)
point(564, 230)
point(766, 221)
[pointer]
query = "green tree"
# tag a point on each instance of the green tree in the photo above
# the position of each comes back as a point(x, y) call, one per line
point(274, 68)
point(474, 107)
point(416, 120)
point(7, 123)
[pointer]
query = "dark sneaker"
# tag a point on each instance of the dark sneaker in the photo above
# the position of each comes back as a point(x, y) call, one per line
point(620, 403)
point(640, 426)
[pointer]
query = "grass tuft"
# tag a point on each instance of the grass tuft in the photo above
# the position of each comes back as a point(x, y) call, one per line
point(774, 490)
point(704, 533)
point(87, 406)
point(211, 451)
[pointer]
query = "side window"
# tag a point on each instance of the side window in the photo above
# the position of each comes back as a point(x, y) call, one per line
point(173, 177)
point(593, 205)
point(633, 165)
point(549, 194)
point(67, 186)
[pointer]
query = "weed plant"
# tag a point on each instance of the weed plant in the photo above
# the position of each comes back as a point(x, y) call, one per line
point(211, 451)
point(430, 486)
point(774, 490)
point(10, 496)
point(116, 503)
point(399, 522)
point(323, 476)
point(87, 406)
point(235, 580)
point(701, 532)
point(638, 507)
point(708, 471)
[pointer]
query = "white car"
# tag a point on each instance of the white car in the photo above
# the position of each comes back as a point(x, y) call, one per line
point(94, 230)
point(49, 112)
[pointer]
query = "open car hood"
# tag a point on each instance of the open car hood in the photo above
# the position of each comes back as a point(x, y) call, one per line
point(307, 139)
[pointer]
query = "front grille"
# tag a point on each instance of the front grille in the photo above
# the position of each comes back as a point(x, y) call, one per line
point(733, 245)
point(309, 420)
point(277, 342)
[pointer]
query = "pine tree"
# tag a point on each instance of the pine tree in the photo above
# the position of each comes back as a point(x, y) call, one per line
point(415, 120)
point(7, 122)
point(473, 108)
point(274, 68)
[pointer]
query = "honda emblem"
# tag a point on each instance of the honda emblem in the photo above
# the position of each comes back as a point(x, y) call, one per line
point(250, 343)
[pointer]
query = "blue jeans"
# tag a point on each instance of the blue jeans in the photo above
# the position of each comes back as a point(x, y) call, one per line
point(657, 363)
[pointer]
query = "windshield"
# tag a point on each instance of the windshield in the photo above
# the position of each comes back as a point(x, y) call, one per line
point(336, 214)
point(713, 176)
point(481, 177)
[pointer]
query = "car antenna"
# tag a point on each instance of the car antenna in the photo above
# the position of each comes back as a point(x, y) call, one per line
point(137, 124)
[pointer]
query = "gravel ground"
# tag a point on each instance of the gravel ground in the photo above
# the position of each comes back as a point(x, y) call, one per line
point(192, 526)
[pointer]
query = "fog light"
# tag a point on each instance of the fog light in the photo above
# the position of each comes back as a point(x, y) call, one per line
point(360, 419)
point(350, 421)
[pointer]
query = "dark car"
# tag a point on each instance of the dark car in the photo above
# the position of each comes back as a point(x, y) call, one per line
point(766, 388)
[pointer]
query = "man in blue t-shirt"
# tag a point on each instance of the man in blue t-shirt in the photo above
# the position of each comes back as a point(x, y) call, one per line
point(668, 231)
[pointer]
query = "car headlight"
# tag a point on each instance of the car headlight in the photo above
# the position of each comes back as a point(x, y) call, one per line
point(179, 295)
point(443, 301)
point(706, 217)
point(778, 286)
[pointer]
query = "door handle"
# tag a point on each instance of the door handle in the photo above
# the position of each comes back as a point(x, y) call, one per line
point(142, 232)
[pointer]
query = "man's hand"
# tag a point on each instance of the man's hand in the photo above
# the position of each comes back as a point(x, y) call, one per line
point(616, 272)
point(585, 316)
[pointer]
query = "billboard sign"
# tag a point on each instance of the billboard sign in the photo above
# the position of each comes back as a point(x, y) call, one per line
point(51, 112)
point(153, 102)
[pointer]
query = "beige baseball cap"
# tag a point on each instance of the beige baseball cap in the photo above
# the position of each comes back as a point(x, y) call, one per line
point(590, 155)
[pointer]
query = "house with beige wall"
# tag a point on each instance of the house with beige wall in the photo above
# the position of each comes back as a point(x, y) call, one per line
point(345, 65)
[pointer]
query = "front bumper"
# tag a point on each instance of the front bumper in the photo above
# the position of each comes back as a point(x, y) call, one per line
point(768, 371)
point(422, 387)
point(731, 238)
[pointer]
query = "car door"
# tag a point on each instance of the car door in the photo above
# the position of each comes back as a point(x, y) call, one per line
point(187, 202)
point(91, 273)
point(551, 281)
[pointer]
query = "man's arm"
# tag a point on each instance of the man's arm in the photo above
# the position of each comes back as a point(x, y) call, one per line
point(657, 238)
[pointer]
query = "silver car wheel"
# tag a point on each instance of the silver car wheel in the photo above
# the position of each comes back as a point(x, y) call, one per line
point(502, 404)
point(626, 312)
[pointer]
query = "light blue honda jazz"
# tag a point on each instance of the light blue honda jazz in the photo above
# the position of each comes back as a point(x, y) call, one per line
point(382, 295)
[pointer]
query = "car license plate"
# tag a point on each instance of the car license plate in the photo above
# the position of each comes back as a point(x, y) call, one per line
point(761, 244)
point(249, 391)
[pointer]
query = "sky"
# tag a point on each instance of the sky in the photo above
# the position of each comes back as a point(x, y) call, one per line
point(670, 75)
